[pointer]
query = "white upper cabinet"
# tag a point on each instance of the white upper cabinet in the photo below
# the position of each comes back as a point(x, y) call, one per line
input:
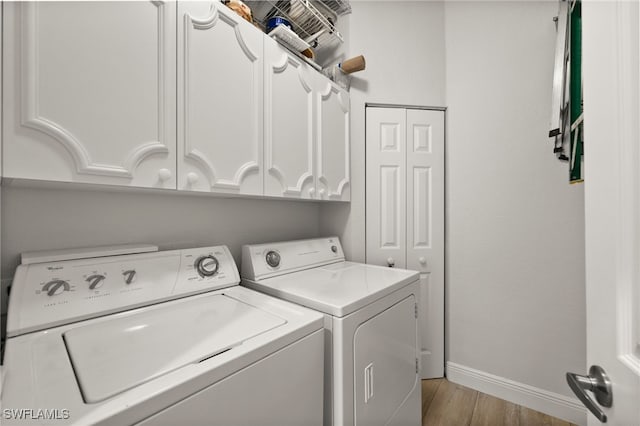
point(90, 92)
point(289, 124)
point(176, 95)
point(220, 101)
point(306, 130)
point(332, 142)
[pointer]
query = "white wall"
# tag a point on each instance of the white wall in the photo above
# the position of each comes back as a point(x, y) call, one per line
point(403, 43)
point(515, 275)
point(43, 219)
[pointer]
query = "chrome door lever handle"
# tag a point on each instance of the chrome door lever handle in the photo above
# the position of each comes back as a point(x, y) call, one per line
point(597, 382)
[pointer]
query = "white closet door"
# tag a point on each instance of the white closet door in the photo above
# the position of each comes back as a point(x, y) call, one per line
point(405, 211)
point(386, 186)
point(220, 75)
point(425, 229)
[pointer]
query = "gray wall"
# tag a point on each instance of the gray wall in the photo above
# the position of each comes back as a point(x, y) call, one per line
point(42, 219)
point(515, 276)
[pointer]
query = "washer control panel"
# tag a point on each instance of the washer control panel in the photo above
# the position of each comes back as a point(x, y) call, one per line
point(44, 295)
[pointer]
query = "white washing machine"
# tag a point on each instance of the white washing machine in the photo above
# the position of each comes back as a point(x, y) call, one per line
point(155, 338)
point(370, 321)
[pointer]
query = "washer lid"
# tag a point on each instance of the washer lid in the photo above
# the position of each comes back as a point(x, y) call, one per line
point(112, 356)
point(337, 289)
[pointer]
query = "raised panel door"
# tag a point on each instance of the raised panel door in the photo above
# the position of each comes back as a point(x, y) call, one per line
point(612, 205)
point(289, 124)
point(90, 92)
point(386, 186)
point(220, 100)
point(425, 228)
point(333, 165)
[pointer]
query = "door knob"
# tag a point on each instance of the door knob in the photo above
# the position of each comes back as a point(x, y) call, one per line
point(597, 382)
point(390, 262)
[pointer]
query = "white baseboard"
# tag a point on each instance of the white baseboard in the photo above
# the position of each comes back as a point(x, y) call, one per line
point(553, 404)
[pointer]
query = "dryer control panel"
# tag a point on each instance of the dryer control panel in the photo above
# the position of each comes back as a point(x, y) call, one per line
point(261, 261)
point(52, 293)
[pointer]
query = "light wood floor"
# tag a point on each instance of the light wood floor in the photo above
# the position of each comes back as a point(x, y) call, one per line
point(448, 404)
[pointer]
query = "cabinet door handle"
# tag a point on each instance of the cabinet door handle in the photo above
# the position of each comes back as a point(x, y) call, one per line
point(422, 260)
point(321, 192)
point(390, 262)
point(312, 191)
point(192, 178)
point(164, 175)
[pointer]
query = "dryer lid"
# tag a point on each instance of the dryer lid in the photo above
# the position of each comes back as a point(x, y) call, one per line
point(115, 355)
point(337, 289)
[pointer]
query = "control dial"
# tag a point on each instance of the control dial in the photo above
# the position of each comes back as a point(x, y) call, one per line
point(207, 266)
point(129, 276)
point(95, 281)
point(273, 258)
point(55, 287)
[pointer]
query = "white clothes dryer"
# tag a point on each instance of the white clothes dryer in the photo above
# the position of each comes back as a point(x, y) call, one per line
point(155, 338)
point(370, 321)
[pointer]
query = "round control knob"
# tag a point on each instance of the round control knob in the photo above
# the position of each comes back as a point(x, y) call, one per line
point(55, 287)
point(129, 276)
point(95, 281)
point(207, 266)
point(334, 249)
point(422, 260)
point(273, 258)
point(390, 262)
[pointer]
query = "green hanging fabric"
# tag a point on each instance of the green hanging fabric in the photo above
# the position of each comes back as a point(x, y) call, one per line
point(575, 90)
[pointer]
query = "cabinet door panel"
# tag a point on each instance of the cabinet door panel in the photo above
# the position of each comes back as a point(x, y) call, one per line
point(220, 100)
point(333, 142)
point(289, 130)
point(92, 92)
